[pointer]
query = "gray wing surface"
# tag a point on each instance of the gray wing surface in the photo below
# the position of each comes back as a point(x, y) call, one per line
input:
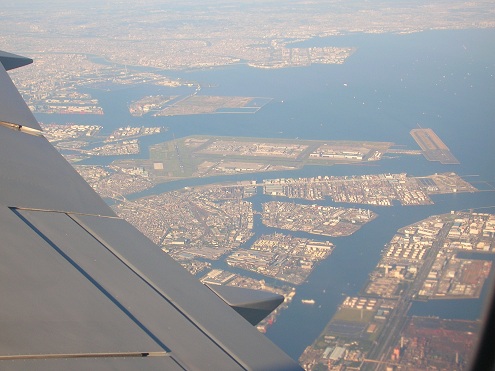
point(81, 288)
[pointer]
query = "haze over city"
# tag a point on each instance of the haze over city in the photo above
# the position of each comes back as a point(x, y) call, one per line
point(337, 153)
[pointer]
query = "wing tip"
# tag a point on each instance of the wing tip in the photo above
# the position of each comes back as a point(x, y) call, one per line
point(11, 61)
point(251, 304)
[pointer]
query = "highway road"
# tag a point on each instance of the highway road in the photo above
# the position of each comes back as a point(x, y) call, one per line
point(390, 334)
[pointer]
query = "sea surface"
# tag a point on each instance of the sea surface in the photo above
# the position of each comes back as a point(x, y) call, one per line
point(444, 80)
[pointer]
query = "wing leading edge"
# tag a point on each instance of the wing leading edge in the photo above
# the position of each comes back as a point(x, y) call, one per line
point(82, 288)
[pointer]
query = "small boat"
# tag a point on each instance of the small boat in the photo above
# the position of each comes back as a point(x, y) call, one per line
point(307, 301)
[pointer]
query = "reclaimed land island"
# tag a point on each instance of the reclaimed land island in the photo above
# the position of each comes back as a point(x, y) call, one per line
point(432, 146)
point(203, 156)
point(423, 261)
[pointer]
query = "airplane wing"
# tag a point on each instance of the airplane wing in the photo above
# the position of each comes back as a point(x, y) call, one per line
point(81, 288)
